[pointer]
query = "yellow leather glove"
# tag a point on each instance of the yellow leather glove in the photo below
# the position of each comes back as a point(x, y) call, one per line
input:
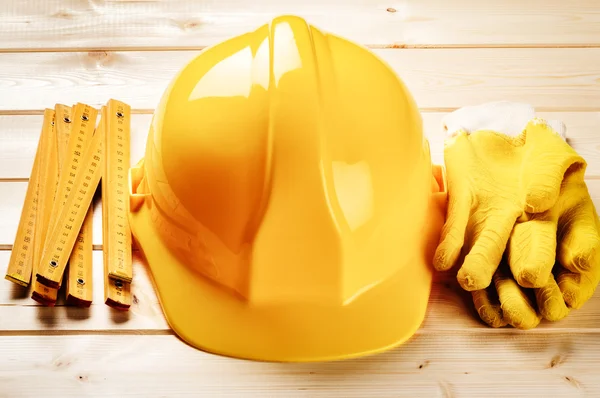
point(493, 181)
point(573, 221)
point(506, 303)
point(532, 246)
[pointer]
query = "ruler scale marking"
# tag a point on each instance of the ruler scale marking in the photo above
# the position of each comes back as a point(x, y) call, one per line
point(21, 263)
point(79, 285)
point(84, 119)
point(117, 252)
point(78, 277)
point(62, 124)
point(117, 150)
point(54, 240)
point(48, 185)
point(64, 234)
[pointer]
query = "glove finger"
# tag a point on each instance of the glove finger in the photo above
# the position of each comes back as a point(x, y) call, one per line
point(532, 251)
point(577, 288)
point(517, 307)
point(453, 232)
point(490, 236)
point(579, 247)
point(550, 302)
point(488, 307)
point(548, 158)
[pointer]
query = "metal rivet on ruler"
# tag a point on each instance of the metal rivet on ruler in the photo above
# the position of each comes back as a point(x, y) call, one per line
point(53, 264)
point(120, 114)
point(67, 120)
point(118, 284)
point(84, 118)
point(80, 281)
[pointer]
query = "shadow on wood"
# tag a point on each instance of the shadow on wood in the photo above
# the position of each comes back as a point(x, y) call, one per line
point(77, 313)
point(47, 316)
point(117, 316)
point(19, 292)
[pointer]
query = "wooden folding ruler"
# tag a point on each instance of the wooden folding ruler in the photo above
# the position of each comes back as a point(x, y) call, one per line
point(54, 239)
point(62, 129)
point(116, 239)
point(70, 152)
point(43, 175)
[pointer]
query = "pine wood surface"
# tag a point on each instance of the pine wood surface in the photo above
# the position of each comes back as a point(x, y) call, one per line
point(450, 54)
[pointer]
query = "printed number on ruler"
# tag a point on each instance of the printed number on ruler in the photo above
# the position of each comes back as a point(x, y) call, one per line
point(50, 171)
point(62, 126)
point(116, 235)
point(70, 220)
point(84, 121)
point(79, 276)
point(74, 130)
point(114, 195)
point(21, 261)
point(79, 289)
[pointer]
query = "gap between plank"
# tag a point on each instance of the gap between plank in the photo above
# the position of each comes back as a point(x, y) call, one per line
point(99, 247)
point(25, 180)
point(508, 332)
point(5, 247)
point(38, 112)
point(46, 332)
point(396, 46)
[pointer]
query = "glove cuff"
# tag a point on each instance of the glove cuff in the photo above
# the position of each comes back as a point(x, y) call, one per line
point(505, 117)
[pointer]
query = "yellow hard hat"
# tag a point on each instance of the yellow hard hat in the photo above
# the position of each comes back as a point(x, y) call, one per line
point(287, 205)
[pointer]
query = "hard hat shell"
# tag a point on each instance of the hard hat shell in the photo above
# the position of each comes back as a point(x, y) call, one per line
point(286, 204)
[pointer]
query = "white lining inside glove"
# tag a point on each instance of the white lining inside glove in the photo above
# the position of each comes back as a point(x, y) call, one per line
point(505, 117)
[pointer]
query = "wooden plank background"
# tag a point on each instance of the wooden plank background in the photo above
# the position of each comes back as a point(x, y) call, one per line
point(450, 54)
point(439, 79)
point(72, 24)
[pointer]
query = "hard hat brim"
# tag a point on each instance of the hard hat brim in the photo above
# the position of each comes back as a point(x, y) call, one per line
point(214, 320)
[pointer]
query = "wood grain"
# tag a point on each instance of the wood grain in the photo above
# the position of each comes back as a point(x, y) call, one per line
point(439, 79)
point(21, 133)
point(18, 312)
point(55, 24)
point(450, 308)
point(13, 196)
point(19, 136)
point(450, 54)
point(432, 365)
